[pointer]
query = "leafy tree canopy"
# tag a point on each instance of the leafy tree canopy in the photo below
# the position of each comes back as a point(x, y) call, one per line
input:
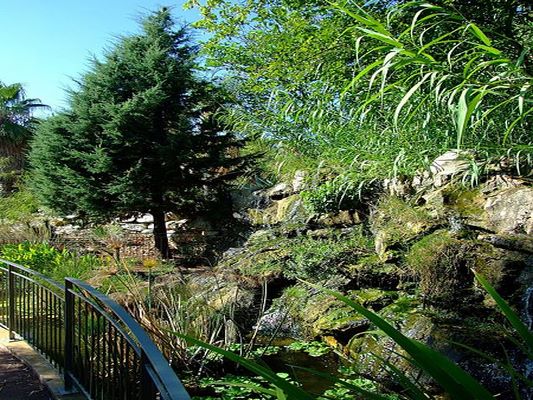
point(16, 119)
point(16, 128)
point(141, 134)
point(376, 88)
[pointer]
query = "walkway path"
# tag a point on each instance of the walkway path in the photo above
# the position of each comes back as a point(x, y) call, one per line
point(18, 381)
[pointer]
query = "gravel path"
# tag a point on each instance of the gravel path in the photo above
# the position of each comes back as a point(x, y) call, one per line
point(18, 381)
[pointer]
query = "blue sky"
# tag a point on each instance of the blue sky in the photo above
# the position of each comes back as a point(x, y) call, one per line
point(45, 43)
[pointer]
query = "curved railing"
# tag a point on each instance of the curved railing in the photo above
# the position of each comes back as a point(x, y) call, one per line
point(97, 345)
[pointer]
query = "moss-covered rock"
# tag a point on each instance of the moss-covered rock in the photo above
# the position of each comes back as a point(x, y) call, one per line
point(372, 272)
point(395, 221)
point(318, 314)
point(342, 218)
point(507, 209)
point(284, 210)
point(443, 264)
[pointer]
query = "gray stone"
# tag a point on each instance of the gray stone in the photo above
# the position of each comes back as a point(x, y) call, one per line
point(521, 243)
point(133, 227)
point(280, 191)
point(67, 229)
point(260, 235)
point(511, 210)
point(237, 216)
point(396, 187)
point(171, 224)
point(340, 218)
point(233, 251)
point(451, 163)
point(280, 323)
point(128, 220)
point(145, 219)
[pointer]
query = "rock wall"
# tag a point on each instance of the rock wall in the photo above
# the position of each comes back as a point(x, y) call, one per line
point(410, 259)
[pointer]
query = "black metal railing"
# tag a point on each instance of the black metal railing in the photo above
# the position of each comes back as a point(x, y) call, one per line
point(98, 346)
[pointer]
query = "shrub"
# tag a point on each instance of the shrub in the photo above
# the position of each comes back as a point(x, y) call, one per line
point(341, 193)
point(57, 264)
point(18, 206)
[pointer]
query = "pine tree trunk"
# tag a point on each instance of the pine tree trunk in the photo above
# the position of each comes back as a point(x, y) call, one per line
point(160, 233)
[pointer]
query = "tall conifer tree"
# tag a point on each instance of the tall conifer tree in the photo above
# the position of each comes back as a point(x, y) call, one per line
point(140, 134)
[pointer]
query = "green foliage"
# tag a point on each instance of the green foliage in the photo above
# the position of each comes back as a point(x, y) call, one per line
point(456, 383)
point(141, 134)
point(340, 193)
point(281, 387)
point(397, 221)
point(376, 90)
point(235, 387)
point(16, 120)
point(303, 256)
point(16, 127)
point(314, 348)
point(341, 392)
point(57, 264)
point(318, 259)
point(19, 206)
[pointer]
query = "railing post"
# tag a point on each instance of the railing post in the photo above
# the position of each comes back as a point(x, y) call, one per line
point(146, 379)
point(11, 302)
point(69, 335)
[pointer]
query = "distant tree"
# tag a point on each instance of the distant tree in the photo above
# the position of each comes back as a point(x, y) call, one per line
point(16, 126)
point(140, 136)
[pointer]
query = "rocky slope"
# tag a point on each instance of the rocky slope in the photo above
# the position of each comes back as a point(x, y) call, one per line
point(408, 255)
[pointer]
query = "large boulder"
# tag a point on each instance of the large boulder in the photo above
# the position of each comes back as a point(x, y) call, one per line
point(286, 210)
point(501, 210)
point(396, 222)
point(510, 211)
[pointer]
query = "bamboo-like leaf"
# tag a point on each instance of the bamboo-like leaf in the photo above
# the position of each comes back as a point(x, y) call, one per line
point(474, 59)
point(465, 109)
point(521, 97)
point(484, 64)
point(490, 50)
point(436, 41)
point(364, 19)
point(407, 96)
point(479, 34)
point(381, 37)
point(360, 75)
point(511, 316)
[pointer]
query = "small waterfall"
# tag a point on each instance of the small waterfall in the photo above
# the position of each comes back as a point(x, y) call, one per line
point(455, 222)
point(528, 307)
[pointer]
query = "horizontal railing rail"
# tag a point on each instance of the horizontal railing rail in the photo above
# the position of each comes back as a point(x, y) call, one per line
point(98, 346)
point(33, 309)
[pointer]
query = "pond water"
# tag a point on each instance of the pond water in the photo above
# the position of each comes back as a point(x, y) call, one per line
point(292, 362)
